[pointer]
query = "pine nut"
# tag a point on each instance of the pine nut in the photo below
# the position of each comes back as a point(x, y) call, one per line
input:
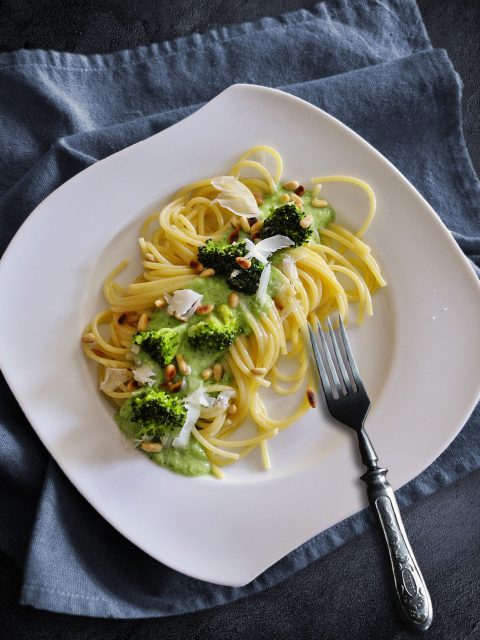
point(312, 398)
point(244, 224)
point(228, 422)
point(306, 222)
point(284, 197)
point(233, 237)
point(291, 185)
point(259, 371)
point(151, 447)
point(300, 190)
point(176, 386)
point(160, 303)
point(235, 221)
point(316, 202)
point(170, 372)
point(142, 322)
point(207, 273)
point(297, 200)
point(183, 367)
point(316, 190)
point(217, 372)
point(244, 263)
point(279, 304)
point(233, 300)
point(232, 409)
point(203, 309)
point(206, 374)
point(132, 386)
point(258, 197)
point(150, 257)
point(256, 227)
point(196, 266)
point(88, 338)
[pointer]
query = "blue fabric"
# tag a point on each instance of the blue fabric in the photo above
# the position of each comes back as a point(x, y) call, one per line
point(369, 64)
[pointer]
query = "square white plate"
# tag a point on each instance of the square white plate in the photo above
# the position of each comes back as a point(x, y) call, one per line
point(419, 355)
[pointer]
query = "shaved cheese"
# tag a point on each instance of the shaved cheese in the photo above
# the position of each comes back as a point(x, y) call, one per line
point(144, 374)
point(193, 403)
point(263, 284)
point(290, 268)
point(223, 399)
point(235, 196)
point(263, 249)
point(114, 378)
point(183, 303)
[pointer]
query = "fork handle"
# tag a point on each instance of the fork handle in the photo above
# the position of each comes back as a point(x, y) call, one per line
point(410, 587)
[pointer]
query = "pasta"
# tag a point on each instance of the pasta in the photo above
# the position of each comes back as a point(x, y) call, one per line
point(333, 272)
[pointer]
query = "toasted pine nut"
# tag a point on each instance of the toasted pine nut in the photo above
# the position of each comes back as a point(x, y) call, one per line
point(132, 385)
point(217, 371)
point(206, 374)
point(151, 447)
point(88, 338)
point(228, 422)
point(297, 200)
point(232, 409)
point(258, 197)
point(160, 303)
point(188, 370)
point(306, 221)
point(170, 372)
point(316, 202)
point(143, 322)
point(196, 266)
point(284, 197)
point(279, 304)
point(235, 221)
point(233, 236)
point(312, 398)
point(291, 185)
point(244, 263)
point(175, 386)
point(203, 309)
point(244, 224)
point(259, 371)
point(182, 365)
point(150, 257)
point(316, 190)
point(207, 273)
point(233, 300)
point(256, 227)
point(300, 190)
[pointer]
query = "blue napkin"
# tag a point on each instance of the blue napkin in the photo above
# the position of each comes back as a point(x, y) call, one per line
point(369, 64)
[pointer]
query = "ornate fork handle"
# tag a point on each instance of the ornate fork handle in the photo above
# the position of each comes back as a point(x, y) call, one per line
point(412, 593)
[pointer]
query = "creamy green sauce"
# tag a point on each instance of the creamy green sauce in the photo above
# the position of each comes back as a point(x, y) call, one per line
point(191, 461)
point(322, 216)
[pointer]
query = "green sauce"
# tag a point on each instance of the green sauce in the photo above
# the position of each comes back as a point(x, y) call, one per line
point(191, 461)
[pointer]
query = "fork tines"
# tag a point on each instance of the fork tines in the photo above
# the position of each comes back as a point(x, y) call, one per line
point(336, 365)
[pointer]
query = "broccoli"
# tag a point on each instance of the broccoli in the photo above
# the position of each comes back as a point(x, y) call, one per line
point(285, 220)
point(161, 345)
point(216, 333)
point(150, 414)
point(222, 259)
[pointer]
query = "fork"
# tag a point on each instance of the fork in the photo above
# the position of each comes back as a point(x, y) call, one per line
point(348, 402)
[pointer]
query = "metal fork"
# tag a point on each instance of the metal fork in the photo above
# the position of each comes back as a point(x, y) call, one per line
point(348, 402)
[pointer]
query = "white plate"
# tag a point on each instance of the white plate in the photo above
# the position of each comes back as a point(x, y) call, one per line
point(420, 363)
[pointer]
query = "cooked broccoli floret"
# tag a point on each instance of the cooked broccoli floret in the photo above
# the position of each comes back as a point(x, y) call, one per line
point(285, 220)
point(151, 414)
point(223, 260)
point(161, 345)
point(217, 333)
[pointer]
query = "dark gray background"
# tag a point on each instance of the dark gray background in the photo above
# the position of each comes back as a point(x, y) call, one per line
point(348, 593)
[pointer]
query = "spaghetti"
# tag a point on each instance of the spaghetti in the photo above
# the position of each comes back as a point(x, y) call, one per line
point(329, 273)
